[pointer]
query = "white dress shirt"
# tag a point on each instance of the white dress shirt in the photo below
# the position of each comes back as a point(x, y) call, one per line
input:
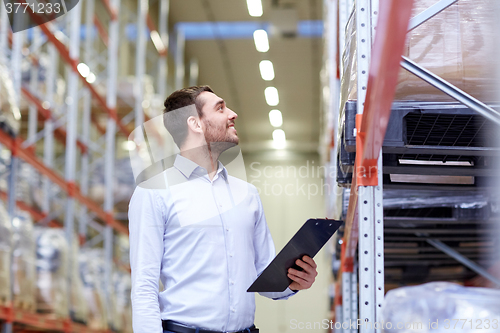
point(207, 240)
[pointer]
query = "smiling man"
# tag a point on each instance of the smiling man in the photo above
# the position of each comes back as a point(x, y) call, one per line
point(200, 231)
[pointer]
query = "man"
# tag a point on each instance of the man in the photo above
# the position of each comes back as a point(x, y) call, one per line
point(200, 231)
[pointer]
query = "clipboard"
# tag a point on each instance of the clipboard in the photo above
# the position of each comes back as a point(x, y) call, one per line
point(310, 238)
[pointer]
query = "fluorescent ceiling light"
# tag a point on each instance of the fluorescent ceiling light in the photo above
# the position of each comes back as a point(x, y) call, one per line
point(261, 40)
point(158, 43)
point(128, 145)
point(279, 138)
point(266, 70)
point(60, 36)
point(83, 69)
point(276, 118)
point(272, 97)
point(255, 8)
point(91, 78)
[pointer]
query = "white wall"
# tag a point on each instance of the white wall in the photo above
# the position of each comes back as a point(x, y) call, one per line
point(285, 213)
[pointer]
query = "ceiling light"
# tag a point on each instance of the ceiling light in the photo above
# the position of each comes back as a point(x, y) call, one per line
point(272, 97)
point(83, 69)
point(279, 138)
point(128, 145)
point(254, 8)
point(59, 36)
point(266, 70)
point(275, 118)
point(157, 42)
point(91, 78)
point(261, 40)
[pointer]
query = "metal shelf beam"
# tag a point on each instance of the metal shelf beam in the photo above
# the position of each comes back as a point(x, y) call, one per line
point(378, 68)
point(71, 189)
point(41, 321)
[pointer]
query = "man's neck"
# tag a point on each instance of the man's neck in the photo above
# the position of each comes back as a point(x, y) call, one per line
point(205, 157)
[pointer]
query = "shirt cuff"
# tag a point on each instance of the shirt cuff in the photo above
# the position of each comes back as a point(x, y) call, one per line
point(285, 294)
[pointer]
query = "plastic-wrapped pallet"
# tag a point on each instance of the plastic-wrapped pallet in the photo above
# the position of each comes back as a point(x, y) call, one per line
point(79, 310)
point(121, 249)
point(52, 268)
point(10, 117)
point(124, 183)
point(455, 45)
point(114, 309)
point(113, 312)
point(5, 254)
point(122, 286)
point(54, 194)
point(441, 307)
point(27, 181)
point(23, 262)
point(92, 271)
point(127, 319)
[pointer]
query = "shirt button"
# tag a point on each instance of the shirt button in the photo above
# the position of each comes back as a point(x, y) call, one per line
point(232, 282)
point(227, 229)
point(230, 254)
point(233, 310)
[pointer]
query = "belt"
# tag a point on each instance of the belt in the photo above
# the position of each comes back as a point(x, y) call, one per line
point(169, 325)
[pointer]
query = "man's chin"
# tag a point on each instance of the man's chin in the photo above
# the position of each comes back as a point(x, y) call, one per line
point(223, 145)
point(233, 139)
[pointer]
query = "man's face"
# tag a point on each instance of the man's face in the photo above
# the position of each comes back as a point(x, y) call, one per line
point(218, 119)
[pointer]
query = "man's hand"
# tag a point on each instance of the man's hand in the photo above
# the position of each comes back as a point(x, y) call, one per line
point(303, 279)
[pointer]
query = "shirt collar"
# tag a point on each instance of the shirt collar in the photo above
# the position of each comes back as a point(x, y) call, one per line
point(187, 167)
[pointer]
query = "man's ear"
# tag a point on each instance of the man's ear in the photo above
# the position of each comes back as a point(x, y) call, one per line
point(194, 124)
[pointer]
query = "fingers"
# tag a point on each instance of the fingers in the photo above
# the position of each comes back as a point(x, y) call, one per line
point(310, 261)
point(303, 279)
point(302, 275)
point(307, 264)
point(299, 283)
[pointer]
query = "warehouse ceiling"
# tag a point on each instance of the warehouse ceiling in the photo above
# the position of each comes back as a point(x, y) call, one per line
point(231, 67)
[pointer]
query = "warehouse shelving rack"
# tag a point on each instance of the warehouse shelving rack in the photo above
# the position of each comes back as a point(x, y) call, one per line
point(60, 122)
point(362, 247)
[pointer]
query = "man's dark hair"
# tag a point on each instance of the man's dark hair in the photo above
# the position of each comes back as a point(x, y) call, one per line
point(176, 122)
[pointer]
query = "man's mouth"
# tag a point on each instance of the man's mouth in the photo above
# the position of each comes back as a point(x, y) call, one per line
point(232, 126)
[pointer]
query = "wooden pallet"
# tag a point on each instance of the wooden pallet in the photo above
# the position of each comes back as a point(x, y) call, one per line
point(4, 300)
point(23, 304)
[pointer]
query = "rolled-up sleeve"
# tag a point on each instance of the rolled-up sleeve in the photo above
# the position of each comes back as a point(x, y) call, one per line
point(146, 228)
point(265, 252)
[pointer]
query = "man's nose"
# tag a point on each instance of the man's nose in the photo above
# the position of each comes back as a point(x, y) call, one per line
point(232, 114)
